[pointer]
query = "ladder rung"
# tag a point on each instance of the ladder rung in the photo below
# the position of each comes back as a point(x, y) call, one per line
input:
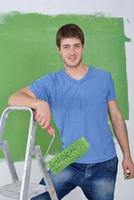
point(13, 190)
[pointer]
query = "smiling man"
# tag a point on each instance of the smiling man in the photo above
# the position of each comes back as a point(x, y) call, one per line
point(80, 98)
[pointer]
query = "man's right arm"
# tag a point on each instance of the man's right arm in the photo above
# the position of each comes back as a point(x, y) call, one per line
point(25, 97)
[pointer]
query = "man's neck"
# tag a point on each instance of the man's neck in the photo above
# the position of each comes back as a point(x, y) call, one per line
point(77, 72)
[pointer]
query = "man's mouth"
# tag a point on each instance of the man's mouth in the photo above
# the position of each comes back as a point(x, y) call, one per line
point(72, 58)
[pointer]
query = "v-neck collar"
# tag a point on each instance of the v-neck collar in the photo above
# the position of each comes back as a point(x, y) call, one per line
point(76, 80)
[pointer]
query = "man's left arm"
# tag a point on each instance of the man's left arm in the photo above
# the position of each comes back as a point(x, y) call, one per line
point(121, 134)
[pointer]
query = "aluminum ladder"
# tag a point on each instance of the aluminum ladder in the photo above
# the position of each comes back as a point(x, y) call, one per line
point(24, 190)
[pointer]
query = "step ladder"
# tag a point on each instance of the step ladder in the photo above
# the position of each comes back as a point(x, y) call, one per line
point(24, 190)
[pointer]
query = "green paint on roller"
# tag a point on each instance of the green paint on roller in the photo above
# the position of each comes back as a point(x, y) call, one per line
point(68, 155)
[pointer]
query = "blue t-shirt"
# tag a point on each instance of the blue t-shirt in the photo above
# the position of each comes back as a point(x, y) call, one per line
point(80, 108)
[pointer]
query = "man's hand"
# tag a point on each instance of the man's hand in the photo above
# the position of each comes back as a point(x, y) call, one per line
point(128, 168)
point(42, 115)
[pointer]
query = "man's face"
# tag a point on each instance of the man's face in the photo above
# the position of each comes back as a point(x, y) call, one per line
point(71, 51)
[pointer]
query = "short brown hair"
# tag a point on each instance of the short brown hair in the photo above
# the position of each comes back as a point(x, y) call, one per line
point(69, 31)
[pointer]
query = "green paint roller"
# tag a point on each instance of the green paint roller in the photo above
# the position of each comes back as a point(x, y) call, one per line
point(68, 155)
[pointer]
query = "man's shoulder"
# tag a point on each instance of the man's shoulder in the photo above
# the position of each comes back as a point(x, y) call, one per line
point(55, 73)
point(100, 70)
point(51, 75)
point(54, 76)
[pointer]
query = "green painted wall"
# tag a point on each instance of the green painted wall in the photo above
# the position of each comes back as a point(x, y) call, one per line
point(28, 50)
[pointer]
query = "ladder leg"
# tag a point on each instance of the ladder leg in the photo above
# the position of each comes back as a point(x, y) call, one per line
point(43, 167)
point(5, 147)
point(28, 161)
point(9, 160)
point(3, 120)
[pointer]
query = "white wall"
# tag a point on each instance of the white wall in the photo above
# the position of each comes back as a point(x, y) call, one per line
point(115, 8)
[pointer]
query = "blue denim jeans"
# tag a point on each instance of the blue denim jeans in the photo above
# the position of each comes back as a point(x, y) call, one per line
point(97, 181)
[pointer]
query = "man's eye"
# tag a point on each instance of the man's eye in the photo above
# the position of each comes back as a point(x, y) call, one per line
point(77, 46)
point(66, 47)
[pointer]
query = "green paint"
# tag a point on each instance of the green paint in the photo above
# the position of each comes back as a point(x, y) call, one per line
point(27, 51)
point(69, 155)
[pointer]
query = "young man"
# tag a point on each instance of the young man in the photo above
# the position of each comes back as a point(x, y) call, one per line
point(79, 98)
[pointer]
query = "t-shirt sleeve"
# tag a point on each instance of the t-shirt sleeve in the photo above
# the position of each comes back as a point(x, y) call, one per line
point(111, 95)
point(41, 88)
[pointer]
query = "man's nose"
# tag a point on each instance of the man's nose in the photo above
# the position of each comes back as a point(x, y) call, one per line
point(72, 50)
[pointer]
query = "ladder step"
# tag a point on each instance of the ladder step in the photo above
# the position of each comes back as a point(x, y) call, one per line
point(13, 190)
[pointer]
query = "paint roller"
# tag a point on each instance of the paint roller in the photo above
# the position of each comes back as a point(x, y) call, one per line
point(69, 155)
